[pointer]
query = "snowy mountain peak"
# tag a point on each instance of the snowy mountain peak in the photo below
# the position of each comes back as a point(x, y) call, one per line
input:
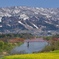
point(29, 18)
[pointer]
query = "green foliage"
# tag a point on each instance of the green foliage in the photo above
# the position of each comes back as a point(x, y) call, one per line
point(7, 47)
point(56, 51)
point(56, 36)
point(1, 44)
point(53, 45)
point(48, 38)
point(21, 35)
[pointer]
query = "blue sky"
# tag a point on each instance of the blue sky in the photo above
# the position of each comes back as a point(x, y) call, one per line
point(31, 3)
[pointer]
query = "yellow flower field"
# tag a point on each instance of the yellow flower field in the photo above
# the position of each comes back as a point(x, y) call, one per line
point(34, 56)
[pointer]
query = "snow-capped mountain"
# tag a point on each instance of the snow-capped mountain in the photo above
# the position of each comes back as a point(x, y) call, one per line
point(18, 19)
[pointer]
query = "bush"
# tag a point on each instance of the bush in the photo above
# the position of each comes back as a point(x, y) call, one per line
point(1, 44)
point(53, 45)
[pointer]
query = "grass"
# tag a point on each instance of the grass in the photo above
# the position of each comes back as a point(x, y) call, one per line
point(34, 56)
point(56, 51)
point(50, 55)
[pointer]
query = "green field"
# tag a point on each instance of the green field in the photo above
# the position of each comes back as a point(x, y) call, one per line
point(50, 55)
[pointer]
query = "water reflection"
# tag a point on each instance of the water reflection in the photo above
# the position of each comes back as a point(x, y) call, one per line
point(28, 44)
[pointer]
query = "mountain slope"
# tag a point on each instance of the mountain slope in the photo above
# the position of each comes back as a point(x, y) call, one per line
point(28, 19)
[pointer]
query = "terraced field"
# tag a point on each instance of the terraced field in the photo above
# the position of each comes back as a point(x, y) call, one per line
point(50, 55)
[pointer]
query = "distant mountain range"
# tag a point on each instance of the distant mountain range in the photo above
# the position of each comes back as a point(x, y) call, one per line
point(29, 19)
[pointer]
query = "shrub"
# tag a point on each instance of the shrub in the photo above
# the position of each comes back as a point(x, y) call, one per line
point(1, 44)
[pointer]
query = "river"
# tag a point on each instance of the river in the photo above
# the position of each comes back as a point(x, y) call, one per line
point(33, 47)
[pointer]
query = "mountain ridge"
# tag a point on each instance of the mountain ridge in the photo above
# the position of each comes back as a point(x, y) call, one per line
point(27, 19)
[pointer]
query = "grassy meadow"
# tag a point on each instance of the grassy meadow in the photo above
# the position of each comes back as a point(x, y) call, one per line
point(50, 55)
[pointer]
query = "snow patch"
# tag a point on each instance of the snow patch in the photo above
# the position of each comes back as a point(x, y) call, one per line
point(7, 14)
point(35, 26)
point(0, 25)
point(9, 25)
point(47, 15)
point(4, 14)
point(53, 12)
point(48, 22)
point(20, 22)
point(37, 8)
point(57, 25)
point(0, 19)
point(16, 11)
point(23, 16)
point(36, 12)
point(28, 26)
point(42, 9)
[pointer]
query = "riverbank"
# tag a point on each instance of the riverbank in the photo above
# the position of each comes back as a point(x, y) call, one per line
point(6, 47)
